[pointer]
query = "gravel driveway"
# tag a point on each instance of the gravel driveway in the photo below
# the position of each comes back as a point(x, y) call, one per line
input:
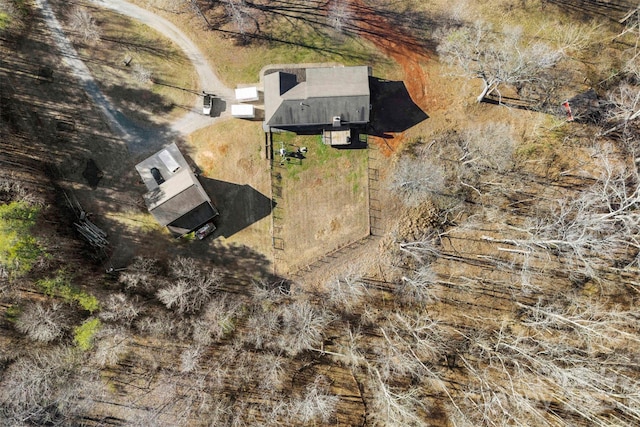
point(139, 139)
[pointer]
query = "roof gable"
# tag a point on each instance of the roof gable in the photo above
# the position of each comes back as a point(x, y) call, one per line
point(327, 92)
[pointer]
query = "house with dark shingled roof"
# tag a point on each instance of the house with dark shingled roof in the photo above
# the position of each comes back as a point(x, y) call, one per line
point(322, 98)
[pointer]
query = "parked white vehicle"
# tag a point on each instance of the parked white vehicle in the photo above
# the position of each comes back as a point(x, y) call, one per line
point(207, 103)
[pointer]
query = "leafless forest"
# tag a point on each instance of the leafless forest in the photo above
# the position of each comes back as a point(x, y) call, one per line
point(503, 291)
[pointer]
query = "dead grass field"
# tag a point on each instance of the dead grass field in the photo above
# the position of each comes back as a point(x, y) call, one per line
point(322, 201)
point(232, 152)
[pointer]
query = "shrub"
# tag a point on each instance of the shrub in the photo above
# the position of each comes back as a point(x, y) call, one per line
point(83, 334)
point(19, 250)
point(60, 286)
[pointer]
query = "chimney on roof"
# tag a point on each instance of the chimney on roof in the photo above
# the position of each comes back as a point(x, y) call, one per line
point(336, 121)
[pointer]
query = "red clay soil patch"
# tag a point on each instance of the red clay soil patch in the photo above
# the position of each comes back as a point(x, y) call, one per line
point(405, 50)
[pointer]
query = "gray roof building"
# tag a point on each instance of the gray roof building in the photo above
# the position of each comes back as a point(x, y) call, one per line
point(329, 97)
point(175, 198)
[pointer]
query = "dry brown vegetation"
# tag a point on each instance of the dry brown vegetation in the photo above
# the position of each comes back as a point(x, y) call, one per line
point(501, 289)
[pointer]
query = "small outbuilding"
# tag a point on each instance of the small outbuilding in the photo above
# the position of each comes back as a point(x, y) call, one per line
point(243, 111)
point(247, 94)
point(176, 198)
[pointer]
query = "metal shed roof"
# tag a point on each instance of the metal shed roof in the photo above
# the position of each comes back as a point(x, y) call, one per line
point(155, 161)
point(180, 202)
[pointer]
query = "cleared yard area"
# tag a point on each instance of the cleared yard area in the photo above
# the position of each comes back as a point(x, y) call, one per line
point(235, 173)
point(321, 200)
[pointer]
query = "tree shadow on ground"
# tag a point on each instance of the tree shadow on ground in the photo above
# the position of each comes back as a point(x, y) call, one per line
point(239, 205)
point(134, 101)
point(135, 43)
point(392, 109)
point(306, 27)
point(615, 10)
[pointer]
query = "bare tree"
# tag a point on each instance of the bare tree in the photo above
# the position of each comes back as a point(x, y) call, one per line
point(417, 178)
point(160, 324)
point(576, 37)
point(242, 15)
point(42, 322)
point(592, 324)
point(623, 113)
point(184, 296)
point(351, 349)
point(346, 292)
point(84, 25)
point(303, 326)
point(220, 316)
point(592, 230)
point(496, 58)
point(424, 251)
point(411, 343)
point(110, 346)
point(190, 358)
point(47, 388)
point(264, 321)
point(191, 288)
point(394, 407)
point(269, 293)
point(491, 146)
point(270, 371)
point(262, 328)
point(417, 288)
point(141, 275)
point(316, 404)
point(120, 308)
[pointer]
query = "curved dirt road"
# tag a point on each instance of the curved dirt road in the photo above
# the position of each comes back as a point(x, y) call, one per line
point(137, 138)
point(208, 80)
